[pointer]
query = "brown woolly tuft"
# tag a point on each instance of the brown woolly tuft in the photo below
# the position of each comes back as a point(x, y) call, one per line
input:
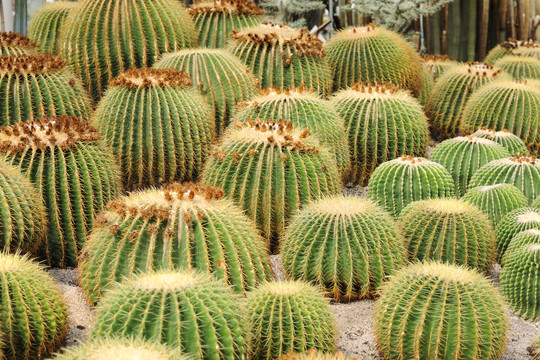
point(364, 29)
point(288, 90)
point(147, 77)
point(524, 159)
point(380, 88)
point(15, 39)
point(313, 354)
point(482, 69)
point(437, 58)
point(240, 7)
point(412, 159)
point(28, 63)
point(512, 44)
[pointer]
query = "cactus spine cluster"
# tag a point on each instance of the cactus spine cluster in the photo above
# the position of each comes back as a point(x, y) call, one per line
point(502, 50)
point(511, 142)
point(73, 170)
point(314, 355)
point(438, 64)
point(512, 224)
point(47, 24)
point(382, 123)
point(520, 67)
point(439, 311)
point(12, 43)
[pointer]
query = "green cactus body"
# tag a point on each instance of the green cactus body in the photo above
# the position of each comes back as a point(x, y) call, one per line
point(450, 231)
point(160, 128)
point(347, 246)
point(373, 54)
point(314, 355)
point(495, 200)
point(215, 20)
point(512, 224)
point(288, 316)
point(399, 182)
point(33, 316)
point(438, 64)
point(39, 85)
point(12, 43)
point(511, 142)
point(427, 85)
point(47, 24)
point(520, 67)
point(440, 311)
point(306, 110)
point(502, 50)
point(104, 38)
point(526, 237)
point(521, 171)
point(462, 156)
point(536, 203)
point(445, 105)
point(282, 56)
point(186, 310)
point(76, 174)
point(536, 349)
point(530, 49)
point(271, 170)
point(219, 75)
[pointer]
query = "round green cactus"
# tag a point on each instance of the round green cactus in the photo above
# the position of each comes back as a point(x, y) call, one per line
point(271, 169)
point(33, 316)
point(511, 142)
point(123, 35)
point(373, 54)
point(215, 20)
point(513, 223)
point(47, 23)
point(12, 43)
point(289, 316)
point(314, 355)
point(450, 93)
point(306, 110)
point(219, 75)
point(75, 173)
point(181, 226)
point(160, 128)
point(462, 156)
point(527, 49)
point(440, 311)
point(345, 245)
point(184, 309)
point(438, 64)
point(496, 200)
point(282, 56)
point(382, 123)
point(399, 182)
point(39, 85)
point(502, 50)
point(526, 237)
point(520, 67)
point(450, 231)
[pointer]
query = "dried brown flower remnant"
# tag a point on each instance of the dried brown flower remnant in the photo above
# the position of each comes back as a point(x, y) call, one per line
point(147, 77)
point(482, 69)
point(380, 88)
point(437, 58)
point(288, 90)
point(240, 7)
point(30, 63)
point(15, 39)
point(524, 159)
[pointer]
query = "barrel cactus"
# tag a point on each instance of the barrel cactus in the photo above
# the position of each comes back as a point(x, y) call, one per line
point(502, 50)
point(288, 316)
point(448, 97)
point(39, 85)
point(528, 49)
point(526, 237)
point(215, 20)
point(12, 43)
point(160, 128)
point(512, 224)
point(282, 56)
point(184, 309)
point(306, 110)
point(33, 316)
point(219, 75)
point(440, 311)
point(520, 67)
point(438, 64)
point(123, 35)
point(47, 23)
point(382, 123)
point(345, 245)
point(73, 170)
point(511, 142)
point(399, 182)
point(463, 155)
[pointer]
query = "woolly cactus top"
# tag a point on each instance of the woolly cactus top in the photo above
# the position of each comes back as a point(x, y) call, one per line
point(413, 160)
point(376, 90)
point(447, 206)
point(285, 288)
point(288, 91)
point(9, 39)
point(429, 58)
point(370, 30)
point(490, 134)
point(343, 206)
point(519, 160)
point(148, 77)
point(240, 7)
point(8, 262)
point(528, 217)
point(166, 280)
point(478, 69)
point(444, 272)
point(30, 64)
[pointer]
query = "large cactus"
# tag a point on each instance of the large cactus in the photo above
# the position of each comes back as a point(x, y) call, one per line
point(520, 67)
point(525, 237)
point(75, 173)
point(502, 50)
point(345, 245)
point(219, 75)
point(12, 43)
point(104, 38)
point(160, 128)
point(511, 142)
point(438, 64)
point(47, 23)
point(440, 311)
point(512, 224)
point(527, 49)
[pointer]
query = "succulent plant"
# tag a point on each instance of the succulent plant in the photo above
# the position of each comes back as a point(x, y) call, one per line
point(282, 56)
point(123, 35)
point(496, 200)
point(520, 67)
point(450, 231)
point(219, 75)
point(438, 64)
point(536, 203)
point(215, 20)
point(47, 23)
point(373, 54)
point(463, 155)
point(288, 316)
point(39, 85)
point(526, 237)
point(33, 316)
point(160, 128)
point(304, 109)
point(450, 93)
point(314, 355)
point(527, 49)
point(271, 169)
point(502, 50)
point(184, 309)
point(511, 142)
point(521, 171)
point(12, 43)
point(399, 182)
point(427, 85)
point(347, 246)
point(513, 223)
point(73, 170)
point(440, 311)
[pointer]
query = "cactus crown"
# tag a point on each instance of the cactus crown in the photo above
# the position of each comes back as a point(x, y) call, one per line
point(478, 69)
point(343, 206)
point(411, 160)
point(490, 134)
point(8, 263)
point(29, 63)
point(456, 274)
point(239, 7)
point(376, 89)
point(436, 58)
point(166, 280)
point(289, 90)
point(521, 159)
point(370, 30)
point(528, 217)
point(148, 77)
point(448, 206)
point(11, 38)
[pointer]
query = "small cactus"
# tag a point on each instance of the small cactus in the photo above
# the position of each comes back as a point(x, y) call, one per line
point(520, 67)
point(187, 310)
point(347, 246)
point(33, 316)
point(526, 237)
point(12, 43)
point(440, 311)
point(288, 316)
point(314, 355)
point(399, 182)
point(47, 23)
point(438, 64)
point(512, 224)
point(382, 123)
point(511, 142)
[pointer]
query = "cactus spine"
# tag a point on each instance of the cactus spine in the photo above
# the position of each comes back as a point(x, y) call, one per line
point(520, 67)
point(314, 355)
point(12, 43)
point(511, 142)
point(438, 64)
point(512, 224)
point(47, 23)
